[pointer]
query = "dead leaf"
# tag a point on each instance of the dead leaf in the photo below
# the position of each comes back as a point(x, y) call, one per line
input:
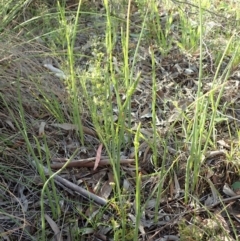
point(23, 198)
point(223, 143)
point(146, 113)
point(98, 156)
point(66, 126)
point(10, 124)
point(177, 186)
point(7, 120)
point(41, 128)
point(228, 191)
point(140, 227)
point(105, 190)
point(54, 227)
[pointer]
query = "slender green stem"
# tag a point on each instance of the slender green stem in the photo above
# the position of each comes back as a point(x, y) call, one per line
point(138, 184)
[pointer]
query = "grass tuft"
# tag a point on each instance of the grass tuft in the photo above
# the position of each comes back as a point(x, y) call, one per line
point(119, 120)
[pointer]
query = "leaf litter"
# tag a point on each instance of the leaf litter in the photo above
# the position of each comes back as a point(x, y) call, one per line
point(88, 181)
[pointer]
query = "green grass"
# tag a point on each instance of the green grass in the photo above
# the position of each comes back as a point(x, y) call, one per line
point(108, 96)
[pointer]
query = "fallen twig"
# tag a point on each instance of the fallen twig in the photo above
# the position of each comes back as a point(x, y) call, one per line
point(89, 163)
point(86, 194)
